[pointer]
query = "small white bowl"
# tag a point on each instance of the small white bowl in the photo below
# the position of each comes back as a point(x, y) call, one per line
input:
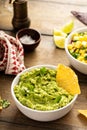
point(78, 65)
point(37, 114)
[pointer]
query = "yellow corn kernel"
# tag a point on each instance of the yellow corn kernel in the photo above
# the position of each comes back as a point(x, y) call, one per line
point(84, 43)
point(80, 58)
point(75, 38)
point(81, 51)
point(75, 34)
point(78, 44)
point(82, 54)
point(70, 46)
point(83, 38)
point(77, 50)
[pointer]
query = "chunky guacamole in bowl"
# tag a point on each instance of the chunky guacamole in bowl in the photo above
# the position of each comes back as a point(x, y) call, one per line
point(38, 96)
point(37, 89)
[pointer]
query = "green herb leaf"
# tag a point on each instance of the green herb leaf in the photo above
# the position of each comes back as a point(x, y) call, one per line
point(43, 71)
point(85, 57)
point(58, 98)
point(5, 103)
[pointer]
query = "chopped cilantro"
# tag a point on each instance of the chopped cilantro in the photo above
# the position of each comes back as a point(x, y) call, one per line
point(4, 103)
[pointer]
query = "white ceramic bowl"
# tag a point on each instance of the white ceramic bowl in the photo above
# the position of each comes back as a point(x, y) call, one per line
point(78, 65)
point(37, 114)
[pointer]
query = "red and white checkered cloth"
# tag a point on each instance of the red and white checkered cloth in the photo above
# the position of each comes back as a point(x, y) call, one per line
point(11, 54)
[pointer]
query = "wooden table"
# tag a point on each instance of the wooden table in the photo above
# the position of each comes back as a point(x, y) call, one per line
point(45, 15)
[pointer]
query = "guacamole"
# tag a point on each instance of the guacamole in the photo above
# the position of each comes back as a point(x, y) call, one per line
point(37, 89)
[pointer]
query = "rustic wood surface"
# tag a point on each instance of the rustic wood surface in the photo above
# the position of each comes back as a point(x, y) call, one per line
point(45, 15)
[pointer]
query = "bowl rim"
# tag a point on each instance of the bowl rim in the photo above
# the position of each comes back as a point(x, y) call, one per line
point(68, 39)
point(39, 111)
point(36, 41)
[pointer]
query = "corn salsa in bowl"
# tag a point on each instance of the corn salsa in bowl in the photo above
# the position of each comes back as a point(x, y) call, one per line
point(78, 46)
point(76, 49)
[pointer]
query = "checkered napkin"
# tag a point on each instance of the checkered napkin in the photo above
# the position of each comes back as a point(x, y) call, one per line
point(11, 54)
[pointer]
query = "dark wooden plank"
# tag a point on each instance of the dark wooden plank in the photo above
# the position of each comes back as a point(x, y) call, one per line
point(39, 126)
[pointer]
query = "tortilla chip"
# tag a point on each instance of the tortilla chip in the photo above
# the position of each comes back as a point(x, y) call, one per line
point(83, 112)
point(67, 79)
